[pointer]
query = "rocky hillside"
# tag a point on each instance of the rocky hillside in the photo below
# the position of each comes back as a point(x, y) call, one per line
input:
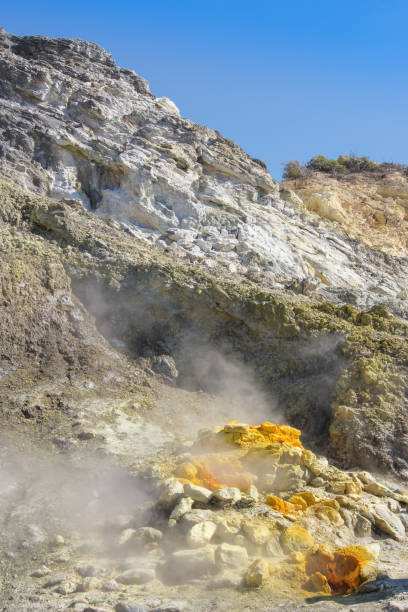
point(155, 281)
point(371, 207)
point(74, 125)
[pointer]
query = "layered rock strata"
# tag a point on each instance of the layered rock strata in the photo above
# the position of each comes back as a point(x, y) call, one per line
point(74, 125)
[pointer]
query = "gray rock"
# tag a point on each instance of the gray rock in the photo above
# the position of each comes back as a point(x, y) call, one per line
point(148, 534)
point(225, 581)
point(41, 572)
point(54, 580)
point(110, 586)
point(226, 496)
point(87, 571)
point(362, 527)
point(184, 505)
point(192, 563)
point(388, 522)
point(127, 607)
point(136, 576)
point(171, 606)
point(171, 492)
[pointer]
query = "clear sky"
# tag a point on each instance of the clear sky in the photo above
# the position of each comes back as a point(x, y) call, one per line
point(285, 79)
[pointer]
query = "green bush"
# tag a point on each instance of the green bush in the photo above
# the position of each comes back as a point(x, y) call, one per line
point(344, 164)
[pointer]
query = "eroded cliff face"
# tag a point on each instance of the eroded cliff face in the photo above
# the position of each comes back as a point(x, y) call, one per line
point(155, 280)
point(74, 125)
point(368, 206)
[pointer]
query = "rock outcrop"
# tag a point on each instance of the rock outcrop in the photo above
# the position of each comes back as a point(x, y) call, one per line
point(74, 125)
point(152, 277)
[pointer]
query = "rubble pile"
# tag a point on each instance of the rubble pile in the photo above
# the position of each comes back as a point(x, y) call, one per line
point(249, 506)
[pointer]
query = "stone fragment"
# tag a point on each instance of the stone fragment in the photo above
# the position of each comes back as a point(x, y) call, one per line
point(226, 496)
point(110, 586)
point(366, 477)
point(198, 494)
point(65, 587)
point(195, 516)
point(41, 572)
point(87, 571)
point(126, 536)
point(128, 607)
point(295, 539)
point(54, 580)
point(184, 505)
point(388, 523)
point(136, 576)
point(257, 533)
point(226, 581)
point(236, 428)
point(318, 482)
point(257, 573)
point(87, 584)
point(192, 563)
point(362, 528)
point(171, 606)
point(148, 535)
point(318, 583)
point(171, 492)
point(375, 488)
point(201, 534)
point(232, 555)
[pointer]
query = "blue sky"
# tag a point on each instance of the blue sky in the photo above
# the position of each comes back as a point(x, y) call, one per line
point(285, 80)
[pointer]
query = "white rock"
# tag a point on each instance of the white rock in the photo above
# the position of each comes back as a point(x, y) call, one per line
point(388, 523)
point(227, 495)
point(235, 556)
point(201, 534)
point(171, 491)
point(198, 494)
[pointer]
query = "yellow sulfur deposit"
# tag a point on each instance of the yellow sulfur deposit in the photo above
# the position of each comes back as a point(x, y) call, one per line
point(343, 569)
point(296, 539)
point(224, 468)
point(259, 436)
point(282, 506)
point(215, 471)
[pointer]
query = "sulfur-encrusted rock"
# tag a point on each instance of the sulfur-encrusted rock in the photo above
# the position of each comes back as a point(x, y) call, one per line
point(257, 573)
point(295, 539)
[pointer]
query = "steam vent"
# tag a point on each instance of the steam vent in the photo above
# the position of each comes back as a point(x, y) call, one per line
point(157, 283)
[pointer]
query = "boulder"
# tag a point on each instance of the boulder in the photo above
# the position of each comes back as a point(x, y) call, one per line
point(225, 496)
point(136, 576)
point(171, 492)
point(192, 563)
point(257, 533)
point(198, 494)
point(296, 538)
point(257, 573)
point(234, 556)
point(201, 534)
point(388, 523)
